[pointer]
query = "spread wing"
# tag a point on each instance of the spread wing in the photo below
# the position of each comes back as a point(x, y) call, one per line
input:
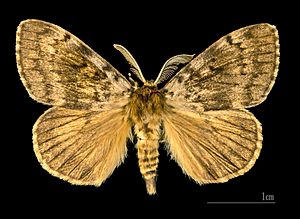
point(59, 69)
point(208, 132)
point(215, 146)
point(82, 147)
point(83, 137)
point(237, 71)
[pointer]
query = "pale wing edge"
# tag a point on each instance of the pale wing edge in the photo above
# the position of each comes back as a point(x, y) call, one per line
point(277, 61)
point(253, 159)
point(19, 67)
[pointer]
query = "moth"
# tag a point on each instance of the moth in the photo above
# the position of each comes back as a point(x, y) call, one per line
point(200, 113)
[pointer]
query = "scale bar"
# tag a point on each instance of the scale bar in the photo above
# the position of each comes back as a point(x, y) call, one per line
point(239, 203)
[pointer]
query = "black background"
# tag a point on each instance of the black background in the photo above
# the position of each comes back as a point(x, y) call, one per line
point(152, 33)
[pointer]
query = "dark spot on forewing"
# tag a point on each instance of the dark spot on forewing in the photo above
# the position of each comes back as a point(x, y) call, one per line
point(98, 75)
point(213, 59)
point(67, 37)
point(106, 95)
point(187, 96)
point(87, 52)
point(216, 70)
point(189, 69)
point(229, 39)
point(249, 35)
point(75, 104)
point(220, 101)
point(84, 64)
point(116, 77)
point(180, 79)
point(107, 67)
point(244, 66)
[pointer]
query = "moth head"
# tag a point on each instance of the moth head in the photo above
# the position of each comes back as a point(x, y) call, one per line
point(150, 83)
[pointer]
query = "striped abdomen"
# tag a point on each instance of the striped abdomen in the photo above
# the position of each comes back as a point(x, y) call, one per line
point(147, 147)
point(145, 111)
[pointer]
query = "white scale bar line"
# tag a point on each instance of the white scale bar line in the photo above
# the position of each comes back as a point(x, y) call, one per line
point(263, 202)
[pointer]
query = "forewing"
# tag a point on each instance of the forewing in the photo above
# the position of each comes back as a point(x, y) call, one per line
point(237, 71)
point(59, 69)
point(215, 146)
point(82, 147)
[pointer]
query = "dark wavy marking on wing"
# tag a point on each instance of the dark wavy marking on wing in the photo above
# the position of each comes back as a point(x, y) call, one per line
point(237, 71)
point(59, 69)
